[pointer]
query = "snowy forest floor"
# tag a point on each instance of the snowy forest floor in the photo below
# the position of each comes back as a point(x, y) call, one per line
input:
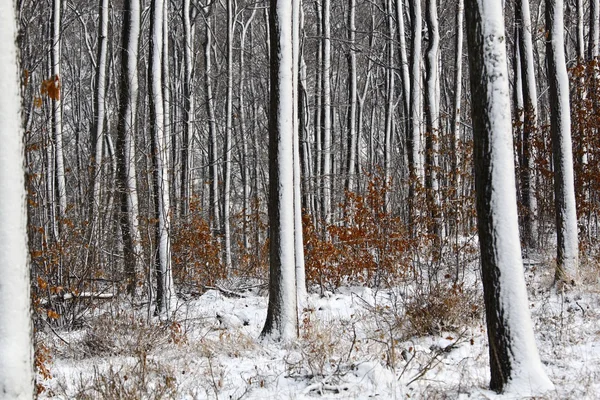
point(356, 343)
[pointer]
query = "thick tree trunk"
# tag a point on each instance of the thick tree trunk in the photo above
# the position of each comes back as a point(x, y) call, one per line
point(562, 152)
point(326, 114)
point(16, 362)
point(126, 133)
point(514, 362)
point(282, 317)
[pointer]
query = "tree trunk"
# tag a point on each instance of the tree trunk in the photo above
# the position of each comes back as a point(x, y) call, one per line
point(530, 116)
point(432, 114)
point(562, 152)
point(228, 145)
point(188, 112)
point(514, 361)
point(16, 363)
point(126, 132)
point(326, 115)
point(213, 153)
point(165, 290)
point(97, 134)
point(298, 238)
point(352, 98)
point(282, 317)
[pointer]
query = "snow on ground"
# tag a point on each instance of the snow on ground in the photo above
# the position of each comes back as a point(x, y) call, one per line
point(353, 345)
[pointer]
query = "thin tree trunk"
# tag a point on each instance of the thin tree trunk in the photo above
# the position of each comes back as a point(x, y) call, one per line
point(298, 238)
point(326, 115)
point(530, 117)
point(165, 290)
point(352, 98)
point(560, 120)
point(213, 154)
point(188, 112)
point(59, 166)
point(98, 127)
point(228, 145)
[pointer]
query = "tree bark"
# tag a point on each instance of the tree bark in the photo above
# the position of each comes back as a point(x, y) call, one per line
point(165, 290)
point(126, 133)
point(282, 317)
point(16, 343)
point(562, 152)
point(514, 361)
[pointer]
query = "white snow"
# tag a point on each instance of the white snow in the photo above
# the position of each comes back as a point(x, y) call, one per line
point(341, 352)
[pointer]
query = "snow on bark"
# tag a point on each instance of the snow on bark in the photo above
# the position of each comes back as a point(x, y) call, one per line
point(530, 121)
point(61, 185)
point(514, 360)
point(126, 169)
point(415, 94)
point(327, 181)
point(166, 292)
point(298, 238)
point(282, 318)
point(562, 151)
point(99, 117)
point(16, 360)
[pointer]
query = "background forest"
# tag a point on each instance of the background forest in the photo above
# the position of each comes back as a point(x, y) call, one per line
point(131, 216)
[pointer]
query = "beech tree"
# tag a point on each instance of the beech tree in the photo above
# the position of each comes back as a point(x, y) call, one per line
point(126, 133)
point(562, 151)
point(514, 361)
point(165, 292)
point(16, 363)
point(282, 316)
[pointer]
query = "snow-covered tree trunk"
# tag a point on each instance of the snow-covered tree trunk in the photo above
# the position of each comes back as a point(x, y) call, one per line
point(165, 290)
point(245, 170)
point(228, 144)
point(16, 349)
point(126, 132)
point(326, 114)
point(188, 111)
point(282, 317)
point(530, 117)
point(213, 152)
point(390, 99)
point(562, 152)
point(59, 169)
point(352, 97)
point(515, 365)
point(99, 118)
point(413, 141)
point(404, 65)
point(460, 12)
point(298, 238)
point(432, 114)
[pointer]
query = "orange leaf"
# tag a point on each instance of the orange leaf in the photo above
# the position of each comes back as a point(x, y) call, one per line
point(52, 314)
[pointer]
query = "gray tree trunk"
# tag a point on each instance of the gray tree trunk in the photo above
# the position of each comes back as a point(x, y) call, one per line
point(562, 152)
point(514, 362)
